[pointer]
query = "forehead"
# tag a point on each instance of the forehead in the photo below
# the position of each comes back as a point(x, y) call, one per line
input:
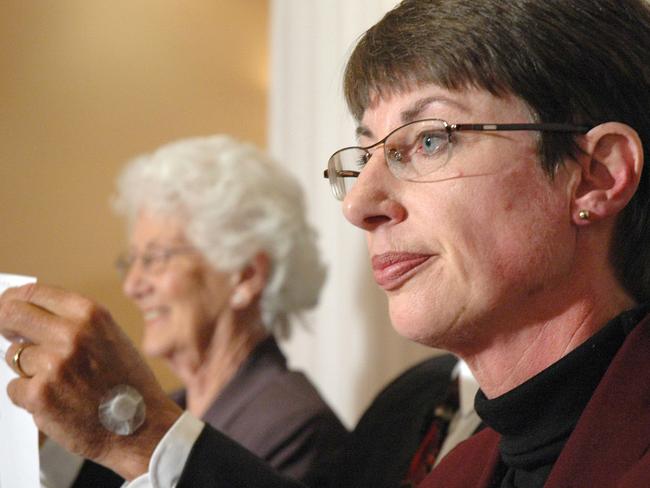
point(151, 228)
point(390, 110)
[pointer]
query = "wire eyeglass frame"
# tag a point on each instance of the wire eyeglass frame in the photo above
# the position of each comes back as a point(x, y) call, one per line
point(348, 162)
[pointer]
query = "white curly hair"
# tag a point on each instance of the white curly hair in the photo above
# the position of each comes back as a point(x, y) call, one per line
point(236, 202)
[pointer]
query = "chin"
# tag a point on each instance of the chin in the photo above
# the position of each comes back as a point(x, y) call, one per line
point(152, 348)
point(432, 326)
point(414, 328)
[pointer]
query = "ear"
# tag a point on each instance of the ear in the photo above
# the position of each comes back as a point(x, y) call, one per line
point(249, 282)
point(611, 160)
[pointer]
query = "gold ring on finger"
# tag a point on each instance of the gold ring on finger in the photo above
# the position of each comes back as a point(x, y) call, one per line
point(15, 361)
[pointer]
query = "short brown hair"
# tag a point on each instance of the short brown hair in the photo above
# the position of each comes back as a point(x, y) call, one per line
point(580, 62)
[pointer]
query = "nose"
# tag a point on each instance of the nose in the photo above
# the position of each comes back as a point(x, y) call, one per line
point(372, 201)
point(136, 284)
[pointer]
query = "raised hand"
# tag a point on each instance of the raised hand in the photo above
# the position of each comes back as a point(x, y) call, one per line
point(73, 353)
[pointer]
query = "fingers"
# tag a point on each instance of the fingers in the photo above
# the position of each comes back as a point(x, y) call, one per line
point(45, 314)
point(23, 322)
point(50, 298)
point(17, 391)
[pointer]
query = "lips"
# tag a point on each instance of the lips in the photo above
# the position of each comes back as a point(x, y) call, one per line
point(393, 269)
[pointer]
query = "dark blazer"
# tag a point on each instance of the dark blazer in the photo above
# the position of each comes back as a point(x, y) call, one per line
point(275, 413)
point(609, 448)
point(376, 454)
point(384, 441)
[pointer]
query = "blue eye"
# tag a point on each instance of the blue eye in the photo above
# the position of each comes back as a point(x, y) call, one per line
point(432, 142)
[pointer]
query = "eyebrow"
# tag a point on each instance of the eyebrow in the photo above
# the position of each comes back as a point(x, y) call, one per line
point(413, 112)
point(362, 130)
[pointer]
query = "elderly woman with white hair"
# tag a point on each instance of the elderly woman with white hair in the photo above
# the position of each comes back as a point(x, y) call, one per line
point(220, 258)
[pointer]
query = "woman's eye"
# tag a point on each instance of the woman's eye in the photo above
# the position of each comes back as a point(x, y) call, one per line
point(362, 160)
point(395, 155)
point(431, 143)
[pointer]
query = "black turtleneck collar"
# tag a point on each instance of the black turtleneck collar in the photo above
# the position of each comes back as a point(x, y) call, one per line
point(536, 418)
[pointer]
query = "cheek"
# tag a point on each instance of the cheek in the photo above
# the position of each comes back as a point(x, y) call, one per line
point(522, 229)
point(183, 294)
point(536, 239)
point(172, 284)
point(189, 282)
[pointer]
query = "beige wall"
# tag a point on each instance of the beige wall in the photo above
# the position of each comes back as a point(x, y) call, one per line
point(86, 85)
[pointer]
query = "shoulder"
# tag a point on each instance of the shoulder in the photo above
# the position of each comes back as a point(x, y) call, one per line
point(291, 426)
point(437, 367)
point(423, 384)
point(279, 393)
point(278, 415)
point(290, 399)
point(280, 408)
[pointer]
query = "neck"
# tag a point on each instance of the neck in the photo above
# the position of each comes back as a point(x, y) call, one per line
point(533, 338)
point(230, 346)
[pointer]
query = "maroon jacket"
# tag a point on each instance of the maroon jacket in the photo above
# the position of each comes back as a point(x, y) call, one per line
point(609, 448)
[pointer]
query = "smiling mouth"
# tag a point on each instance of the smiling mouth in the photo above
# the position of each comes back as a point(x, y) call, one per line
point(392, 269)
point(152, 315)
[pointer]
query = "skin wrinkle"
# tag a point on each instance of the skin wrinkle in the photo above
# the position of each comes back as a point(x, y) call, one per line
point(455, 177)
point(572, 340)
point(510, 378)
point(571, 343)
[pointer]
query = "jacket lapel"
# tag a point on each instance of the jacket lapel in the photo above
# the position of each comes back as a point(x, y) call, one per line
point(471, 464)
point(613, 432)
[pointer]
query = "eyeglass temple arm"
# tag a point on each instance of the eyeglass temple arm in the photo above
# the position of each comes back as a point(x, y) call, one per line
point(539, 127)
point(342, 174)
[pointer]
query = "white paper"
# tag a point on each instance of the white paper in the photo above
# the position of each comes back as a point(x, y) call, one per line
point(19, 466)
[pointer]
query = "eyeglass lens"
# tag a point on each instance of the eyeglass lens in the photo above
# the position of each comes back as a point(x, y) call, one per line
point(411, 152)
point(152, 262)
